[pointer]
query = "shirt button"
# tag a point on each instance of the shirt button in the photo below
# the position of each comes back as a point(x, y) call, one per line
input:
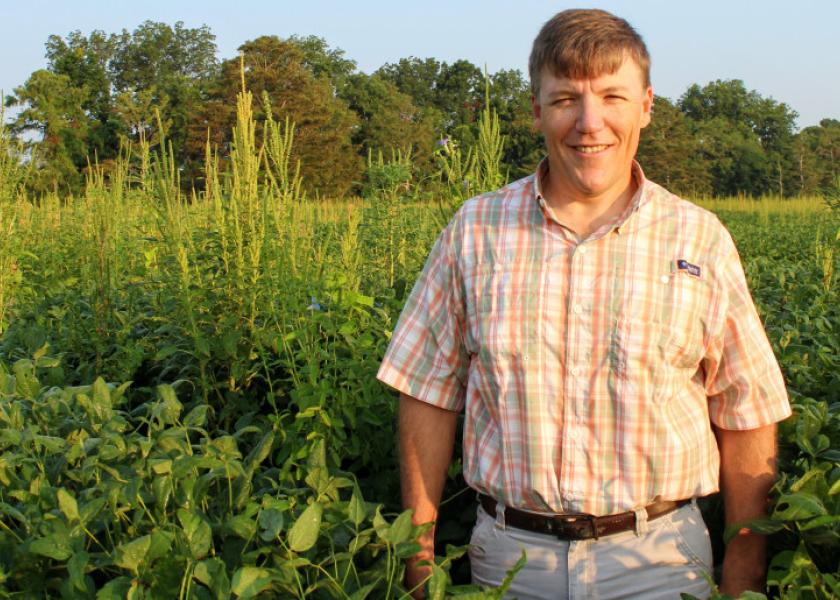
point(575, 371)
point(573, 434)
point(664, 279)
point(581, 250)
point(577, 309)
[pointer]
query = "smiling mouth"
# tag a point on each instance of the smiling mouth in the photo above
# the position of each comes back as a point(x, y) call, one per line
point(591, 149)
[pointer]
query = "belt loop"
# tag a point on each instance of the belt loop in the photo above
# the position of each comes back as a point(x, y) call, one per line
point(500, 516)
point(641, 521)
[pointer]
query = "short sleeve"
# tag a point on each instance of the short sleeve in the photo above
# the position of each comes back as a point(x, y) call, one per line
point(744, 383)
point(426, 358)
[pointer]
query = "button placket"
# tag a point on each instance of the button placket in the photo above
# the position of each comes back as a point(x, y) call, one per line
point(578, 343)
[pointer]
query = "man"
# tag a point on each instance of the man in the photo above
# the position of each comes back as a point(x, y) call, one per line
point(599, 334)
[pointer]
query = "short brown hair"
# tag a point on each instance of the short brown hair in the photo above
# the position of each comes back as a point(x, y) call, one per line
point(581, 43)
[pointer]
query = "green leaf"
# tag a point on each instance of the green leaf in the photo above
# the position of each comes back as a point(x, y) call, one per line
point(89, 510)
point(242, 525)
point(197, 531)
point(271, 523)
point(437, 583)
point(823, 521)
point(261, 451)
point(835, 488)
point(116, 589)
point(304, 533)
point(101, 394)
point(76, 568)
point(67, 505)
point(161, 543)
point(407, 549)
point(400, 529)
point(249, 581)
point(764, 526)
point(171, 406)
point(801, 505)
point(131, 555)
point(212, 573)
point(197, 417)
point(356, 508)
point(54, 546)
point(364, 591)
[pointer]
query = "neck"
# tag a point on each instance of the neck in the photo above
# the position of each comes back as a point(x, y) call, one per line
point(584, 214)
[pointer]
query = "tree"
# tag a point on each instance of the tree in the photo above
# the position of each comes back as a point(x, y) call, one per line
point(388, 120)
point(52, 108)
point(817, 156)
point(323, 61)
point(671, 153)
point(163, 68)
point(324, 124)
point(510, 97)
point(84, 60)
point(771, 123)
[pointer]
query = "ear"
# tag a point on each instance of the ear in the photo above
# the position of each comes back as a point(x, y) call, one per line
point(536, 110)
point(647, 106)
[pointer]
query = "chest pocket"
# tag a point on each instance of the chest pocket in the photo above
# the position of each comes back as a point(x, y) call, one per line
point(658, 343)
point(500, 297)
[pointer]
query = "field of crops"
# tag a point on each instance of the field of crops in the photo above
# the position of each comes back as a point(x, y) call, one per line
point(188, 405)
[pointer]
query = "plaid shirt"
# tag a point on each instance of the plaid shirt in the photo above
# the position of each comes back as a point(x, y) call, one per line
point(590, 370)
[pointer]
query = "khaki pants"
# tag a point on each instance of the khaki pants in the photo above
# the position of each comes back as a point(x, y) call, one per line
point(661, 559)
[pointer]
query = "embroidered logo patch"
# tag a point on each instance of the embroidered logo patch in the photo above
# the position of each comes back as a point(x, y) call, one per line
point(684, 265)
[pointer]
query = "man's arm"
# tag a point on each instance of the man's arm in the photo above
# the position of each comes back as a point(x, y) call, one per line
point(427, 436)
point(747, 472)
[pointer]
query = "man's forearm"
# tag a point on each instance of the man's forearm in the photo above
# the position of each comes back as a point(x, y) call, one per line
point(747, 472)
point(427, 436)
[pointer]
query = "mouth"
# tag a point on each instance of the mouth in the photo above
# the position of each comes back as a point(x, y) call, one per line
point(591, 149)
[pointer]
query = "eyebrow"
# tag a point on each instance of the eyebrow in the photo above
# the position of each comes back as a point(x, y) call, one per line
point(568, 91)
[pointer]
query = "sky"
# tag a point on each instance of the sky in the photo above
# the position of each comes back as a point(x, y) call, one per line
point(784, 50)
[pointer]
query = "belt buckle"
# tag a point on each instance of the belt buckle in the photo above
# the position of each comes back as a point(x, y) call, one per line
point(572, 522)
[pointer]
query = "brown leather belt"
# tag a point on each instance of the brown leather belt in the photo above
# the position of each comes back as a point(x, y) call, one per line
point(578, 526)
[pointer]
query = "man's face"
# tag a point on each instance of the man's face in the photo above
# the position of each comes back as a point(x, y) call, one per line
point(591, 128)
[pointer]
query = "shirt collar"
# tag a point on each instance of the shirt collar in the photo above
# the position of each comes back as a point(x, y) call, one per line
point(639, 199)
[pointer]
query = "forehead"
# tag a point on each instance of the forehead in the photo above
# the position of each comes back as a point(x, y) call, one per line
point(628, 75)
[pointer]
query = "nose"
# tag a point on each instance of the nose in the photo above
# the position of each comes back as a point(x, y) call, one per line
point(590, 116)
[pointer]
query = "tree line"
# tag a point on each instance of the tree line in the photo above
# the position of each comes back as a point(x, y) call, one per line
point(101, 92)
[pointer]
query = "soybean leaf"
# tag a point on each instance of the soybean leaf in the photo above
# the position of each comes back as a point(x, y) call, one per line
point(130, 556)
point(171, 406)
point(212, 573)
point(242, 525)
point(271, 523)
point(825, 520)
point(67, 505)
point(197, 531)
point(304, 533)
point(249, 581)
point(437, 583)
point(197, 417)
point(356, 508)
point(160, 544)
point(364, 591)
point(116, 589)
point(54, 546)
point(400, 529)
point(764, 526)
point(76, 568)
point(801, 505)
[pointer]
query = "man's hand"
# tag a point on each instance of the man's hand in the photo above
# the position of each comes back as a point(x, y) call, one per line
point(747, 472)
point(427, 436)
